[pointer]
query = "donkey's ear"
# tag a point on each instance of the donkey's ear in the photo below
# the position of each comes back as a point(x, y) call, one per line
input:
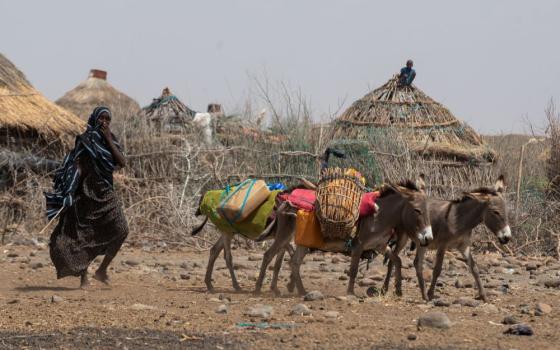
point(421, 182)
point(500, 185)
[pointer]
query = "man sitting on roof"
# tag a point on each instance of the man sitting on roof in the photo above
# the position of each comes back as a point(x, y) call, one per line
point(407, 74)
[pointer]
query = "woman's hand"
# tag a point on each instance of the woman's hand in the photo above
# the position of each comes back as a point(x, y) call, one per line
point(106, 132)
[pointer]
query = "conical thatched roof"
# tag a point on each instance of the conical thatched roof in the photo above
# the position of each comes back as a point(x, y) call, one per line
point(96, 91)
point(426, 126)
point(26, 116)
point(168, 110)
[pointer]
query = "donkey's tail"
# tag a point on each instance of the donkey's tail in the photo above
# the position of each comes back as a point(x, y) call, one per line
point(199, 228)
point(267, 231)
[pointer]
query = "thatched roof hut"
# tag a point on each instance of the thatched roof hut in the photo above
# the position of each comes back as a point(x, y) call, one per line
point(96, 91)
point(27, 118)
point(426, 126)
point(167, 112)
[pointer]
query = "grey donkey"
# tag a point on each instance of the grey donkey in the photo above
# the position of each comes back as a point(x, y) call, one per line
point(453, 222)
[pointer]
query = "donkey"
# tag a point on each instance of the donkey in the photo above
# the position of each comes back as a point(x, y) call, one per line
point(453, 222)
point(281, 229)
point(402, 206)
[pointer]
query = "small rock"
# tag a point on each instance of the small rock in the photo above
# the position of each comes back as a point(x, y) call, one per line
point(139, 307)
point(185, 265)
point(56, 299)
point(463, 301)
point(254, 257)
point(459, 284)
point(222, 309)
point(28, 323)
point(332, 314)
point(434, 320)
point(224, 298)
point(132, 262)
point(542, 309)
point(519, 329)
point(13, 301)
point(36, 265)
point(366, 282)
point(259, 310)
point(12, 255)
point(343, 278)
point(313, 296)
point(489, 308)
point(185, 276)
point(531, 267)
point(335, 260)
point(525, 310)
point(492, 285)
point(441, 303)
point(510, 319)
point(411, 337)
point(552, 283)
point(301, 310)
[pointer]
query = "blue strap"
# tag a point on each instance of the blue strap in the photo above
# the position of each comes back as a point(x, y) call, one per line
point(228, 197)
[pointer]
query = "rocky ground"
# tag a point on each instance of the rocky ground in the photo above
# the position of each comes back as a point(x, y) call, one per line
point(158, 300)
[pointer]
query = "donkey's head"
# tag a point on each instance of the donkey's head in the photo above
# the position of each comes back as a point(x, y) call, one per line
point(413, 214)
point(495, 215)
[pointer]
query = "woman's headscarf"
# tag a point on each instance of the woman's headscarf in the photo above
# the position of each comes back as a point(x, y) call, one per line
point(67, 177)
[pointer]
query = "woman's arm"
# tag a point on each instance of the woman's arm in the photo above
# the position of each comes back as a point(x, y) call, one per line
point(119, 157)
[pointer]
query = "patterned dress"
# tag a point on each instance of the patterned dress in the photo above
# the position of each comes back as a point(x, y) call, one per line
point(94, 225)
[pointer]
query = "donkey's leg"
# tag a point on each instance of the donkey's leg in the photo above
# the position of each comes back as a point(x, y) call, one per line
point(214, 253)
point(437, 271)
point(84, 281)
point(354, 266)
point(275, 248)
point(419, 266)
point(229, 261)
point(385, 288)
point(393, 258)
point(277, 267)
point(467, 254)
point(295, 265)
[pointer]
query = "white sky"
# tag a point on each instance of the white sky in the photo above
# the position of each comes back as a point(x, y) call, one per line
point(493, 63)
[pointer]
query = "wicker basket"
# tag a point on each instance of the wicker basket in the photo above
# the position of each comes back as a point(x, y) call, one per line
point(338, 203)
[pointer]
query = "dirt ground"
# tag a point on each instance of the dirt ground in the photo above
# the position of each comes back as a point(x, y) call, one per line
point(158, 300)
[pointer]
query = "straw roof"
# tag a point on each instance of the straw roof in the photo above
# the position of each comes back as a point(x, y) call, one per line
point(96, 91)
point(427, 127)
point(168, 110)
point(25, 114)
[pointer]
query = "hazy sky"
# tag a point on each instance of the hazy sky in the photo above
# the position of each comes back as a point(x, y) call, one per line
point(493, 63)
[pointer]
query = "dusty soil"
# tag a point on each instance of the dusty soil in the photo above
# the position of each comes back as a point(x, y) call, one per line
point(158, 300)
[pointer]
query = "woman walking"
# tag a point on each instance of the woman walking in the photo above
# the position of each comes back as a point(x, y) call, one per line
point(92, 220)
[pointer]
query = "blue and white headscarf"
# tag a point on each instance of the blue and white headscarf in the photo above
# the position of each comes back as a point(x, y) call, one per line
point(67, 177)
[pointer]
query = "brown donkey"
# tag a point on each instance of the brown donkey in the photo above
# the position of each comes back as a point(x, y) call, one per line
point(453, 222)
point(401, 207)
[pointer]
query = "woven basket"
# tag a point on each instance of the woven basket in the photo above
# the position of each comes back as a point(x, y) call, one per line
point(338, 203)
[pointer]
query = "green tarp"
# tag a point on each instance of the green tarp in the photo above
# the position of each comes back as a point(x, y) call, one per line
point(251, 227)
